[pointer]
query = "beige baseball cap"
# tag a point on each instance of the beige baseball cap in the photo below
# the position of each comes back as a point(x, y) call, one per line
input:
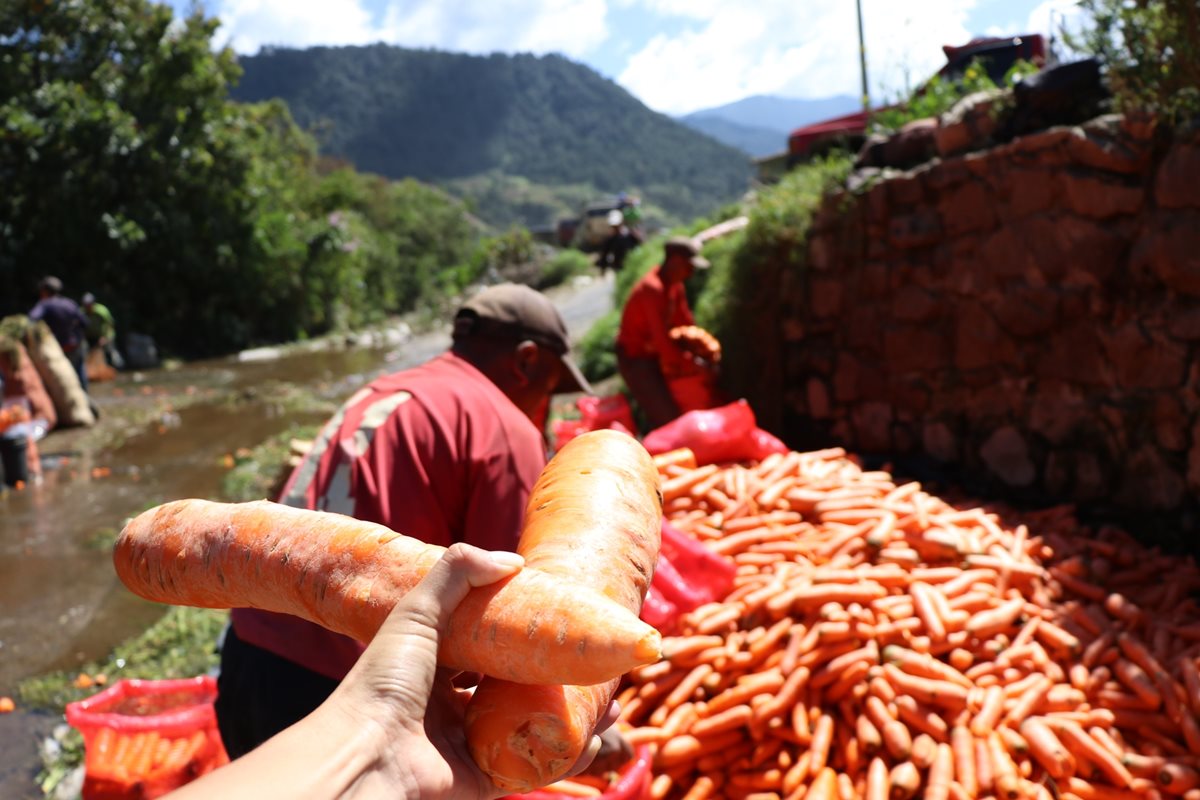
point(687, 246)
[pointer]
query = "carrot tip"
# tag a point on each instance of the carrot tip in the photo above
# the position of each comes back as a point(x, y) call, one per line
point(649, 647)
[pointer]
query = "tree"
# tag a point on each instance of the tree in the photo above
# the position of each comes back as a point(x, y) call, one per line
point(1151, 53)
point(122, 164)
point(210, 224)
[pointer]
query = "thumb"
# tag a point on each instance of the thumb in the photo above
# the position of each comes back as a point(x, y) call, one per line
point(402, 658)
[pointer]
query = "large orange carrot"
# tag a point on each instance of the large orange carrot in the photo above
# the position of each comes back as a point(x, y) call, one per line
point(602, 533)
point(346, 575)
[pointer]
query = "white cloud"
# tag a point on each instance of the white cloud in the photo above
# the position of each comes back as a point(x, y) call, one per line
point(796, 49)
point(696, 9)
point(250, 24)
point(573, 27)
point(1051, 17)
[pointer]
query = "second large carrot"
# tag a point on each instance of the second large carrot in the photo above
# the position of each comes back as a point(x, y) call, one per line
point(593, 519)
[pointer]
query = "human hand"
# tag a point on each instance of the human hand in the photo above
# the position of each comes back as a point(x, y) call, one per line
point(394, 727)
point(397, 688)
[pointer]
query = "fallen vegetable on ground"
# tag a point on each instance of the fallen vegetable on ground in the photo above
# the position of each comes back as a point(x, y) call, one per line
point(882, 643)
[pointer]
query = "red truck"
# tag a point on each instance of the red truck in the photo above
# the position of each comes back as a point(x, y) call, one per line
point(997, 55)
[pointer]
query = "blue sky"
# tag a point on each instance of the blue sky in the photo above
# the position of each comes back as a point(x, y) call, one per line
point(674, 55)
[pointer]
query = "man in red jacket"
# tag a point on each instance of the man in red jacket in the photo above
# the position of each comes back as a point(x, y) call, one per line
point(445, 452)
point(663, 376)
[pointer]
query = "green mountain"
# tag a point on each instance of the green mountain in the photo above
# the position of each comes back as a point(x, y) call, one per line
point(750, 139)
point(453, 119)
point(779, 114)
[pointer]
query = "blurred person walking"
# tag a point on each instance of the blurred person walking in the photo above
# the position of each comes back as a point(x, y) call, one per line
point(66, 321)
point(621, 240)
point(101, 331)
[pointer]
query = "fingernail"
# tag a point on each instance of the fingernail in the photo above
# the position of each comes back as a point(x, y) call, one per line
point(506, 559)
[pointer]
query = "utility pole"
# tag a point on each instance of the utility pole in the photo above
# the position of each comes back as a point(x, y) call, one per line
point(862, 59)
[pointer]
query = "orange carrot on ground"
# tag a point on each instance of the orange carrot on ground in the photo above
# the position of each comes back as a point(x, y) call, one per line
point(824, 786)
point(868, 735)
point(923, 665)
point(1047, 749)
point(921, 718)
point(943, 694)
point(905, 781)
point(923, 750)
point(878, 781)
point(702, 789)
point(683, 457)
point(1072, 735)
point(989, 714)
point(726, 720)
point(941, 773)
point(1178, 778)
point(962, 744)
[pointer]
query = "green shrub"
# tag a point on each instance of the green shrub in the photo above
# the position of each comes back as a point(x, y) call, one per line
point(938, 95)
point(748, 269)
point(597, 349)
point(565, 265)
point(711, 297)
point(1150, 51)
point(261, 472)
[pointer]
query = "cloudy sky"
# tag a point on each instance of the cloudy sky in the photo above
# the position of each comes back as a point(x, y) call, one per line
point(676, 56)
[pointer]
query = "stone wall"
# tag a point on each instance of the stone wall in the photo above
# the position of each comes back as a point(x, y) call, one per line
point(1028, 315)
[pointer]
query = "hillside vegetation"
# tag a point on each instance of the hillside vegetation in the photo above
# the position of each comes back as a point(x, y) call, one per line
point(209, 224)
point(752, 140)
point(449, 118)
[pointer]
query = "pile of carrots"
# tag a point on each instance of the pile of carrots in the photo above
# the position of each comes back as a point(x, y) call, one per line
point(882, 644)
point(146, 763)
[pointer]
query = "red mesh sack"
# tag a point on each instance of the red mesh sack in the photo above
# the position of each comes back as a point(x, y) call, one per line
point(713, 434)
point(143, 739)
point(633, 782)
point(564, 430)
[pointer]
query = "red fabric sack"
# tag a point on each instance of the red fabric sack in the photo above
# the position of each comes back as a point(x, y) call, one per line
point(713, 434)
point(598, 413)
point(728, 433)
point(687, 576)
point(657, 610)
point(764, 444)
point(708, 574)
point(170, 735)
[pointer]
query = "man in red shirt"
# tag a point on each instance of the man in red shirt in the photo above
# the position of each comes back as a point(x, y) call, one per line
point(664, 378)
point(445, 452)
